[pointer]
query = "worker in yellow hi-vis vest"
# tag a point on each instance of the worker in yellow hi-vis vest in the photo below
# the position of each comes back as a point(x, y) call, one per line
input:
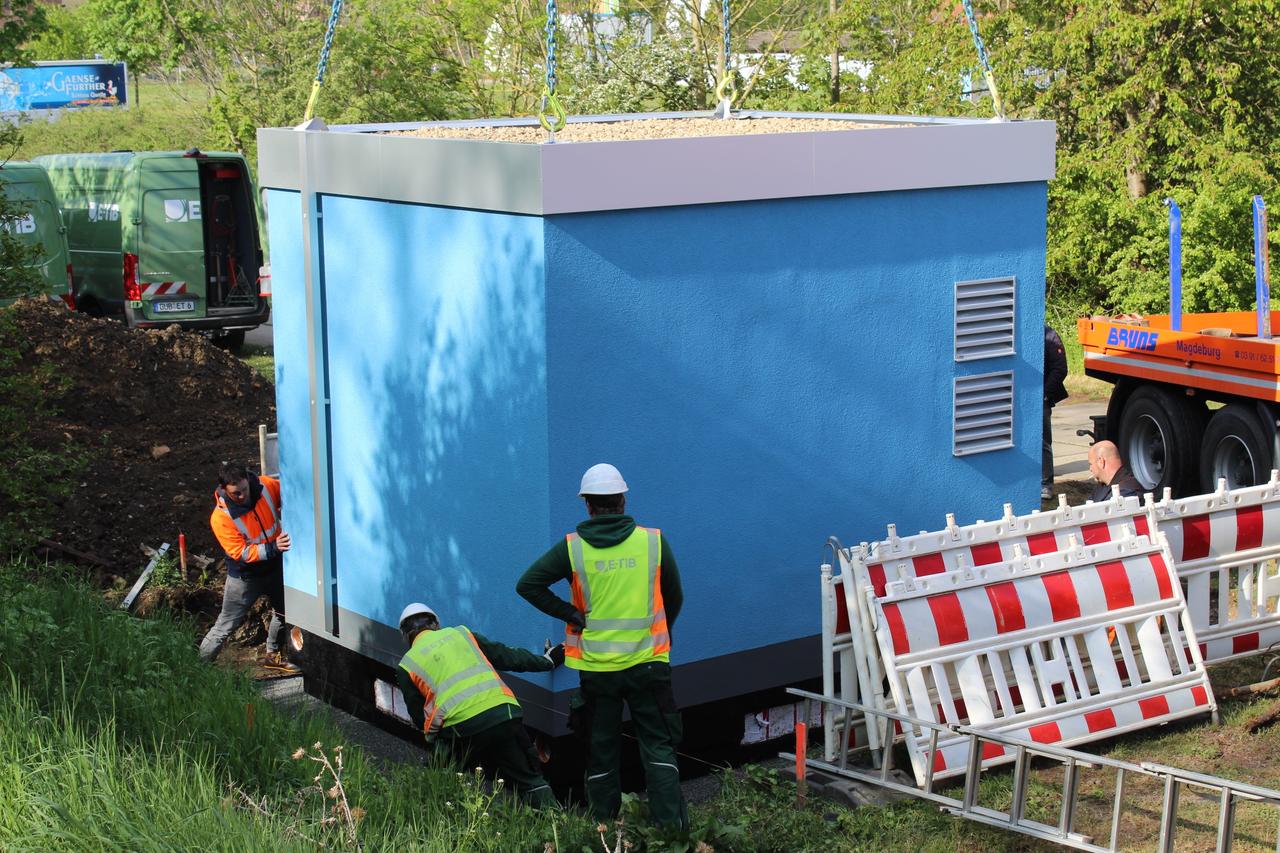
point(454, 695)
point(626, 597)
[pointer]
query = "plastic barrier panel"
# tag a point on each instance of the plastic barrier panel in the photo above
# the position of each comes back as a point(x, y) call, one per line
point(959, 549)
point(838, 660)
point(1226, 546)
point(1061, 648)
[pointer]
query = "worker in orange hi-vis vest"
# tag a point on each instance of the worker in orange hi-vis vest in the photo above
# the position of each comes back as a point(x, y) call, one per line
point(246, 522)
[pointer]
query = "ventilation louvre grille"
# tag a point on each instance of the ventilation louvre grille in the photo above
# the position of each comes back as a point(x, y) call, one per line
point(983, 413)
point(984, 318)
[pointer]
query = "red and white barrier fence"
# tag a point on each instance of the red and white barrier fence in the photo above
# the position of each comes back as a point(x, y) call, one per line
point(1062, 648)
point(1225, 546)
point(1224, 549)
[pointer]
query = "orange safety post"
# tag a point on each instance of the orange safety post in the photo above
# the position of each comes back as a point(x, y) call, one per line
point(182, 553)
point(802, 747)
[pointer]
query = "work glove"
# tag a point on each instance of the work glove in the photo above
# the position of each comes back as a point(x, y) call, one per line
point(577, 622)
point(555, 655)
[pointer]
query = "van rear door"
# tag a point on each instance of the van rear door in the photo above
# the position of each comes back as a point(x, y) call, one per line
point(170, 260)
point(233, 253)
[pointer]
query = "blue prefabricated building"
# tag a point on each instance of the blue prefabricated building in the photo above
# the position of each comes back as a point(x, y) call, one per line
point(759, 330)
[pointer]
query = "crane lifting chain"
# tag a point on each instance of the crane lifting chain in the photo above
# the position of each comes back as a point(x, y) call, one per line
point(334, 14)
point(725, 91)
point(983, 59)
point(552, 114)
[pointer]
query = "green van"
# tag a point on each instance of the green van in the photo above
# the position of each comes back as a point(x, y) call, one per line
point(27, 184)
point(164, 237)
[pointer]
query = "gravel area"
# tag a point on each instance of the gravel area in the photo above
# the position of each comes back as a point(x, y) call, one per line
point(616, 131)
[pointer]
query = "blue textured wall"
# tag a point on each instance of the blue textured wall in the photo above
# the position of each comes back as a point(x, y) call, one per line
point(436, 338)
point(437, 370)
point(765, 374)
point(771, 373)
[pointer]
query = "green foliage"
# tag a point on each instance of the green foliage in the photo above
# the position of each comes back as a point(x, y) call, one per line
point(143, 33)
point(39, 470)
point(66, 36)
point(632, 76)
point(167, 572)
point(1150, 100)
point(164, 118)
point(634, 830)
point(22, 21)
point(255, 61)
point(1172, 99)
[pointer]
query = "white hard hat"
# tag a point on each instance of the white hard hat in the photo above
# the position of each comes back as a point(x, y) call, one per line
point(414, 610)
point(602, 479)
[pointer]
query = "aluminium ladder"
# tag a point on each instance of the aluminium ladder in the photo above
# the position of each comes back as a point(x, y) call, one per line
point(1173, 780)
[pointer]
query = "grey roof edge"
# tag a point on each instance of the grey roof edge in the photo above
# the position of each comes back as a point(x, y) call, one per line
point(446, 172)
point(548, 179)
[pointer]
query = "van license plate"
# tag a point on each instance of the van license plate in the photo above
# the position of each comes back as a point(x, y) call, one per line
point(173, 307)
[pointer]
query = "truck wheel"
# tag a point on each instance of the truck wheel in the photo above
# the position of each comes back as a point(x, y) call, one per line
point(1159, 437)
point(1235, 448)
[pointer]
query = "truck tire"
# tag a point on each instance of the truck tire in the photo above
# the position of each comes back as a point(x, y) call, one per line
point(1160, 435)
point(1236, 448)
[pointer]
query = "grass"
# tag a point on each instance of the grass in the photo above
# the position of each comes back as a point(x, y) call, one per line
point(115, 737)
point(261, 359)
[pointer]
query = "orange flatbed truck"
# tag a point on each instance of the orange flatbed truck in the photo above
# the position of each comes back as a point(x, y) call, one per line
point(1160, 412)
point(1197, 396)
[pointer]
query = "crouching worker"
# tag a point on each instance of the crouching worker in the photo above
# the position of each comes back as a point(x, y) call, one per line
point(246, 522)
point(456, 698)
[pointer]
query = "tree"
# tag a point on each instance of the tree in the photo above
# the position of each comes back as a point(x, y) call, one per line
point(143, 33)
point(1151, 100)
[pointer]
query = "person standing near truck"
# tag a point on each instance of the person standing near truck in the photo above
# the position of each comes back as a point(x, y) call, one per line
point(1055, 391)
point(246, 522)
point(456, 698)
point(626, 597)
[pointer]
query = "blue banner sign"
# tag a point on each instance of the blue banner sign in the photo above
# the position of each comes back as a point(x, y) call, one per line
point(64, 86)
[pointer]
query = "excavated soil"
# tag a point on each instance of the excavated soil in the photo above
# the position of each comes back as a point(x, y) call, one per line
point(154, 412)
point(618, 131)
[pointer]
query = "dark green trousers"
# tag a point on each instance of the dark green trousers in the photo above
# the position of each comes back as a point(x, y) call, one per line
point(505, 752)
point(646, 690)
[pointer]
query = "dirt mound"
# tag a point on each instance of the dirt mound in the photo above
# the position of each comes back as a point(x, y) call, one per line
point(155, 412)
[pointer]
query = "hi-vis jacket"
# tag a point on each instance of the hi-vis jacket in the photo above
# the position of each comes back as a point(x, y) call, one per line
point(619, 588)
point(247, 532)
point(456, 680)
point(610, 537)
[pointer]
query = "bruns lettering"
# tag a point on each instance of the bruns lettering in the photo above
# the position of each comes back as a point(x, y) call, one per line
point(620, 563)
point(1132, 338)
